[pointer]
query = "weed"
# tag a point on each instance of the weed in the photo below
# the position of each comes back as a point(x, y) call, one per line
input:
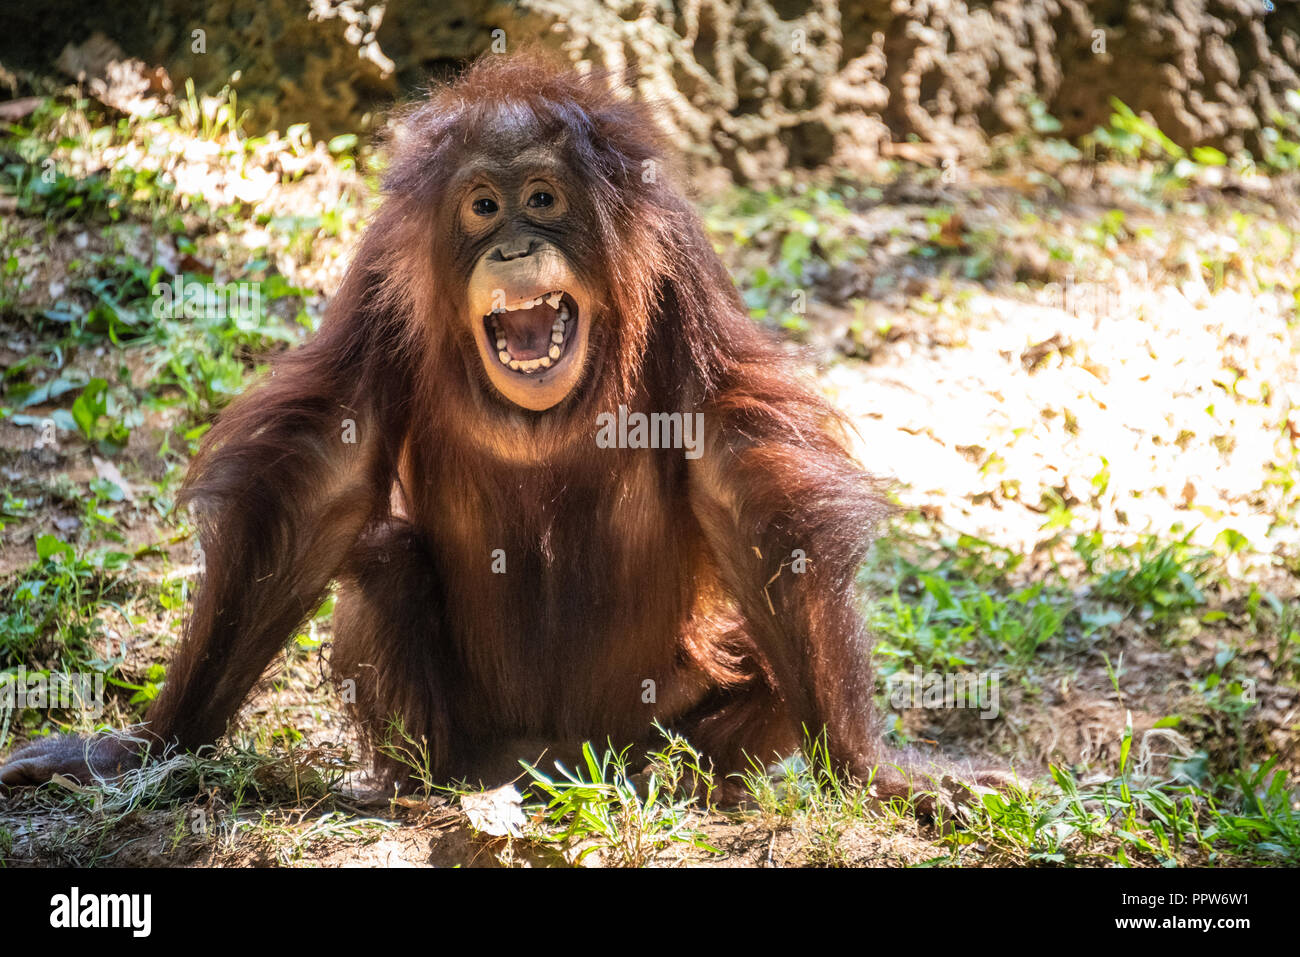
point(602, 808)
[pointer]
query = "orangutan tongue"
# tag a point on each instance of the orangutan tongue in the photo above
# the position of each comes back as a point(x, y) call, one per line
point(527, 331)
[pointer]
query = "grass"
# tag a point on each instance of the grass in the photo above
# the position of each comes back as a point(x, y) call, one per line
point(807, 796)
point(1134, 819)
point(941, 614)
point(806, 229)
point(197, 358)
point(237, 797)
point(961, 603)
point(1152, 579)
point(630, 820)
point(960, 610)
point(54, 609)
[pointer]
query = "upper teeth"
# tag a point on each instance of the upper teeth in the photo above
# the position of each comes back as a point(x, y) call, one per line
point(553, 298)
point(555, 347)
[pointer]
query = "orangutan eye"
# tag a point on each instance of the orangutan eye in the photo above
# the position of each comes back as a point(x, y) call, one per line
point(485, 206)
point(541, 200)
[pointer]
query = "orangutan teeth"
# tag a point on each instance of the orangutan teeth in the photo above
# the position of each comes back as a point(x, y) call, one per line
point(554, 348)
point(554, 299)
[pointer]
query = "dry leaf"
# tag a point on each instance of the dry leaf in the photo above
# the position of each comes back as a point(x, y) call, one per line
point(499, 813)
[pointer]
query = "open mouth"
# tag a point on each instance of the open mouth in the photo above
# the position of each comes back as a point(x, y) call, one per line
point(532, 335)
